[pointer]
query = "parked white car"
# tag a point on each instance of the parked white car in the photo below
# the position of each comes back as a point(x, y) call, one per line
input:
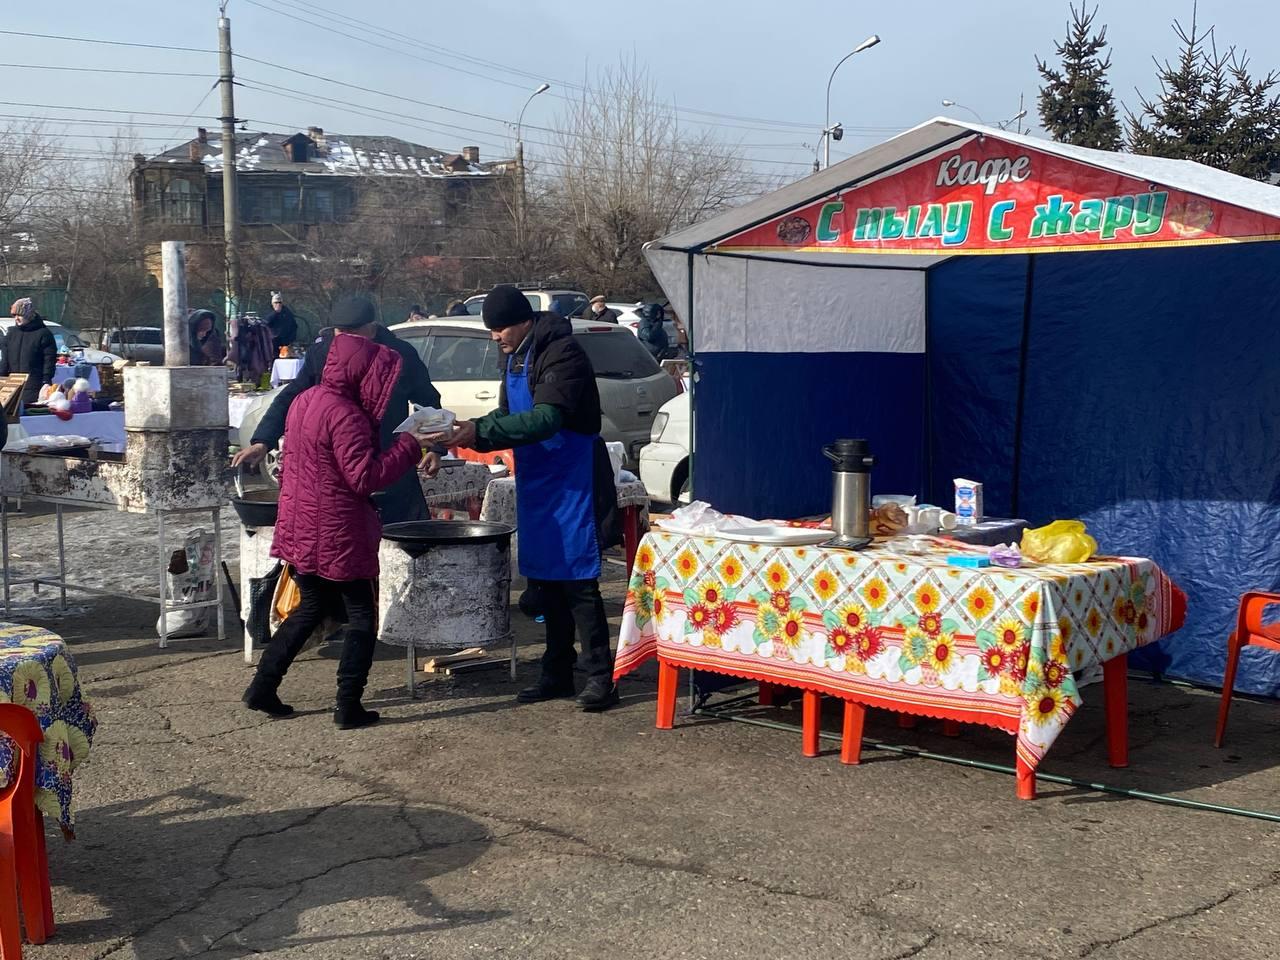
point(567, 303)
point(466, 366)
point(69, 342)
point(664, 462)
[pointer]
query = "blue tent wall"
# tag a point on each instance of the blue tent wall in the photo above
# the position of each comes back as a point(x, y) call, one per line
point(762, 419)
point(1152, 411)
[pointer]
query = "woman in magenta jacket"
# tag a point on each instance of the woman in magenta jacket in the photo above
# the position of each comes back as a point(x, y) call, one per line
point(328, 529)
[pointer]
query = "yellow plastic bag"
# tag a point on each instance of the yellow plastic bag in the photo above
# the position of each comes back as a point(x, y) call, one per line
point(288, 597)
point(1063, 541)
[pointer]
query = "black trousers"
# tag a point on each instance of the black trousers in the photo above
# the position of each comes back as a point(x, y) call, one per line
point(570, 604)
point(318, 596)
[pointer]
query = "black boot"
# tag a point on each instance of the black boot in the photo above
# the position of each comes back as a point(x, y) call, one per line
point(264, 699)
point(353, 673)
point(599, 694)
point(547, 688)
point(353, 716)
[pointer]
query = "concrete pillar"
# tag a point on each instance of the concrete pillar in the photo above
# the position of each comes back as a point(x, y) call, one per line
point(177, 351)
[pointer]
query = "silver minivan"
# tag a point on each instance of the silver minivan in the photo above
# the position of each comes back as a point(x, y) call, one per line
point(137, 343)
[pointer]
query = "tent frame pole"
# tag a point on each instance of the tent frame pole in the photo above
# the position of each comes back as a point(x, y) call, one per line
point(1023, 349)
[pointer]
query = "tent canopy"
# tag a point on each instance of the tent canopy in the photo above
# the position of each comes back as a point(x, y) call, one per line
point(907, 295)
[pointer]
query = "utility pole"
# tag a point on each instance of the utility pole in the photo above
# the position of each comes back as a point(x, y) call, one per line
point(230, 198)
point(520, 201)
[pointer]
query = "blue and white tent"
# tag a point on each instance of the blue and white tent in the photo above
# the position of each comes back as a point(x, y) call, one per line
point(1134, 385)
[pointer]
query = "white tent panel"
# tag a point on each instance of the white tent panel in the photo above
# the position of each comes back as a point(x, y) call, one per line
point(743, 304)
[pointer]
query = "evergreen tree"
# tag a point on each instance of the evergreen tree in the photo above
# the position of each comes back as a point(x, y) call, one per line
point(1076, 103)
point(1211, 110)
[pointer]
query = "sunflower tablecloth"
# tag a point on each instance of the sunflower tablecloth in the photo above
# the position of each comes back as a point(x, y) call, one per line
point(38, 672)
point(995, 646)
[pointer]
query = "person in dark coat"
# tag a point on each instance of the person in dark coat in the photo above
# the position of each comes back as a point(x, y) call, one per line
point(327, 530)
point(566, 504)
point(651, 332)
point(207, 348)
point(402, 501)
point(283, 324)
point(29, 348)
point(601, 311)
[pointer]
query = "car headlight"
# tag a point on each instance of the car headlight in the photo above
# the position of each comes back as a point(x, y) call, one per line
point(659, 424)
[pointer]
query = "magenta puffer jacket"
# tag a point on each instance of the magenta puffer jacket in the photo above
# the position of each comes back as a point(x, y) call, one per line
point(327, 524)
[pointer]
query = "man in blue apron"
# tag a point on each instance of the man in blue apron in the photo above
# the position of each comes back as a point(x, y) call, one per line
point(566, 506)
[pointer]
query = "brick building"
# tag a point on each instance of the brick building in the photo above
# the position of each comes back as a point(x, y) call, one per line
point(314, 197)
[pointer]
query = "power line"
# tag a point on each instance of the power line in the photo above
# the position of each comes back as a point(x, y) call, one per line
point(316, 9)
point(132, 73)
point(109, 43)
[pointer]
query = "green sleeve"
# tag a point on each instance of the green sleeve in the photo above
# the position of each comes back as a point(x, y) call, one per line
point(501, 431)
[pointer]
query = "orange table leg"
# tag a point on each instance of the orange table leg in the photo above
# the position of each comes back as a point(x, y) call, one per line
point(851, 740)
point(1115, 689)
point(1026, 780)
point(906, 721)
point(951, 728)
point(668, 674)
point(631, 534)
point(811, 722)
point(767, 693)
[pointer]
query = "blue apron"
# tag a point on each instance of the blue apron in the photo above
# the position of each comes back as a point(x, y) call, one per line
point(555, 503)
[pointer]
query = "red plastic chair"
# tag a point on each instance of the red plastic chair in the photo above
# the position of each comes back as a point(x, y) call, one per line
point(24, 864)
point(1250, 631)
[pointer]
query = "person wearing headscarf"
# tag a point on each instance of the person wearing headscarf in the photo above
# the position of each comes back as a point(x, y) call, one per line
point(29, 348)
point(207, 348)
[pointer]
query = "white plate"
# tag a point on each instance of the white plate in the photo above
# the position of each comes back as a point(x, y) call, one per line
point(779, 536)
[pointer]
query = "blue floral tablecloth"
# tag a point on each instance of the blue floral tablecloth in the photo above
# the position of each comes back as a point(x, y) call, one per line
point(38, 672)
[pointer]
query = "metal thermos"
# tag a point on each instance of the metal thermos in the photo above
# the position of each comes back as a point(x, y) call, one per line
point(850, 493)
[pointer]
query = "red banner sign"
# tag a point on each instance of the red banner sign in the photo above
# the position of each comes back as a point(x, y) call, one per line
point(988, 196)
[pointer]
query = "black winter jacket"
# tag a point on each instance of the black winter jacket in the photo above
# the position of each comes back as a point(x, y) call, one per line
point(31, 349)
point(563, 377)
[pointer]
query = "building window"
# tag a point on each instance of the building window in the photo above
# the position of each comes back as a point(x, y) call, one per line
point(182, 204)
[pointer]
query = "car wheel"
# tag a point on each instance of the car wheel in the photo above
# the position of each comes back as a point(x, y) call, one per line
point(682, 484)
point(271, 467)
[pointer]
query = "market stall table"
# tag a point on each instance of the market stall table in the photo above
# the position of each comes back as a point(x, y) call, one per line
point(459, 483)
point(104, 426)
point(67, 371)
point(888, 629)
point(633, 501)
point(38, 672)
point(285, 369)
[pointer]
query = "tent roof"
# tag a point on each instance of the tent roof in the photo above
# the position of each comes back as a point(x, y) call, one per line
point(942, 132)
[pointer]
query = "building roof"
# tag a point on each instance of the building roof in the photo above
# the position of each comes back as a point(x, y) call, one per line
point(335, 155)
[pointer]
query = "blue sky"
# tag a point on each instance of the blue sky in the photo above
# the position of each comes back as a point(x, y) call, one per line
point(748, 62)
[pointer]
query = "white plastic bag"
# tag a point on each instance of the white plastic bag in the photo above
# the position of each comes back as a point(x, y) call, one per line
point(196, 585)
point(424, 421)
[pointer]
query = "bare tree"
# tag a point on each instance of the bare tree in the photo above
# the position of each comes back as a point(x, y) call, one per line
point(88, 238)
point(26, 183)
point(626, 173)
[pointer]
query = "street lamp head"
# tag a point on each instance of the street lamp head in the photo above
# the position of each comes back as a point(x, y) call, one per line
point(543, 88)
point(948, 103)
point(868, 43)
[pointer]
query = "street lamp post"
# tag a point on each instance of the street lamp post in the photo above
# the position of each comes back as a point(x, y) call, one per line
point(521, 199)
point(952, 103)
point(866, 44)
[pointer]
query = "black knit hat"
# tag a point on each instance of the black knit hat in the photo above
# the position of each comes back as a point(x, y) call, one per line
point(505, 306)
point(352, 312)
